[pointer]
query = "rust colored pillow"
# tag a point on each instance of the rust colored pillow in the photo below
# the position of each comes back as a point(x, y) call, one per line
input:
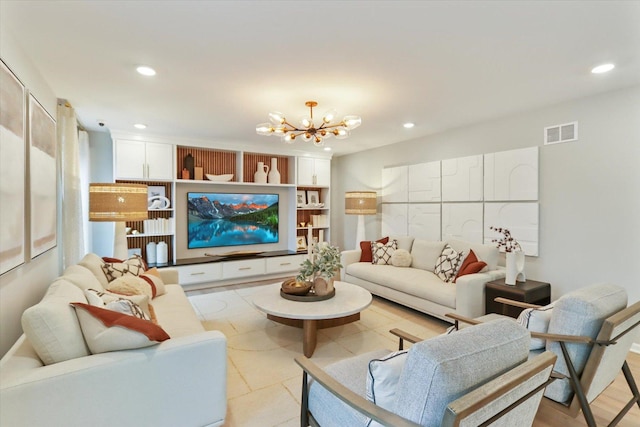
point(365, 247)
point(106, 330)
point(470, 265)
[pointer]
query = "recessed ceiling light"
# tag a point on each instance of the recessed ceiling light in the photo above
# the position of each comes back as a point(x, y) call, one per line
point(602, 68)
point(146, 71)
point(327, 148)
point(408, 125)
point(140, 126)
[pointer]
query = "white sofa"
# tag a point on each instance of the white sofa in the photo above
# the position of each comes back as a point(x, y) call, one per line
point(417, 286)
point(178, 382)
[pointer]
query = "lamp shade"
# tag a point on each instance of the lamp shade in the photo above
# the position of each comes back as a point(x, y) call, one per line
point(360, 202)
point(117, 202)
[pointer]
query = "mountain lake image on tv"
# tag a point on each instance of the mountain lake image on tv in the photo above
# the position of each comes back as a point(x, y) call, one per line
point(231, 219)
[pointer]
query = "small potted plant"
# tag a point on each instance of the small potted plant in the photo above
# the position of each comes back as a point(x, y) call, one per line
point(321, 268)
point(514, 257)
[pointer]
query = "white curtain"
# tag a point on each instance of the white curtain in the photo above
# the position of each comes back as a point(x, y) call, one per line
point(72, 224)
point(85, 161)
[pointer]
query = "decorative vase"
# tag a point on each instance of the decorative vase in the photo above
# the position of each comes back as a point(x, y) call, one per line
point(515, 268)
point(151, 253)
point(274, 174)
point(260, 176)
point(323, 286)
point(188, 165)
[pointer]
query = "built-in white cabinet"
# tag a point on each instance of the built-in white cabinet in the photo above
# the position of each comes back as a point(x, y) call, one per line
point(314, 171)
point(160, 165)
point(222, 273)
point(143, 160)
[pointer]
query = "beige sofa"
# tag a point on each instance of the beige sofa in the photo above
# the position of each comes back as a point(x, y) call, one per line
point(178, 382)
point(417, 286)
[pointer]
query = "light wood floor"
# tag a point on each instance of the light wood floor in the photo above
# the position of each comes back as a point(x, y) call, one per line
point(604, 408)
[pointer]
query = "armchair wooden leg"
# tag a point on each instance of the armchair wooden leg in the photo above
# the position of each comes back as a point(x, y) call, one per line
point(577, 388)
point(634, 389)
point(304, 407)
point(631, 382)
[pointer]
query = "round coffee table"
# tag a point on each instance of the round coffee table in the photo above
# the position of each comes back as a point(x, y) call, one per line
point(343, 308)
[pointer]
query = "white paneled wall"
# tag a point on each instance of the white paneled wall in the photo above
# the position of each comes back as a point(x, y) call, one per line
point(520, 218)
point(424, 182)
point(424, 221)
point(461, 198)
point(462, 221)
point(511, 175)
point(462, 179)
point(394, 219)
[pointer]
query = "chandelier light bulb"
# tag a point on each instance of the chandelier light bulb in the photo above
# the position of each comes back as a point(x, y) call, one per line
point(318, 142)
point(329, 116)
point(278, 130)
point(352, 122)
point(306, 137)
point(306, 122)
point(276, 118)
point(264, 129)
point(288, 138)
point(342, 133)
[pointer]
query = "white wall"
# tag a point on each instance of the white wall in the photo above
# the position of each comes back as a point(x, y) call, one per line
point(589, 189)
point(25, 285)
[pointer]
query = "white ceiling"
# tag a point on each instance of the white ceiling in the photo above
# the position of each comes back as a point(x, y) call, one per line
point(223, 65)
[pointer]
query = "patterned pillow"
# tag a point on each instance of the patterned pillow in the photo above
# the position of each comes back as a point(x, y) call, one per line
point(106, 330)
point(133, 305)
point(448, 264)
point(133, 266)
point(381, 253)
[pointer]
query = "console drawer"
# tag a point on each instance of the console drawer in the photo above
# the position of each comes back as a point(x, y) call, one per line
point(244, 268)
point(198, 273)
point(284, 263)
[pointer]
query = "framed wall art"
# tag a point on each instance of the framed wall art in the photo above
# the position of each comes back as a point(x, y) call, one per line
point(313, 197)
point(42, 168)
point(12, 170)
point(301, 198)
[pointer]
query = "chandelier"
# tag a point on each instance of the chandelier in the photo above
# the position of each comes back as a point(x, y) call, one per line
point(308, 130)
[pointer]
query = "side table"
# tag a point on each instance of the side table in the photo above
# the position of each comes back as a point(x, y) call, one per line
point(531, 292)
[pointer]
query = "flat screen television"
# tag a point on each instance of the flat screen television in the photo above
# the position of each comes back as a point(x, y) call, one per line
point(231, 219)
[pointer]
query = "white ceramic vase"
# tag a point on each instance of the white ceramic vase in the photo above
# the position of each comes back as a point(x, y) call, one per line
point(515, 268)
point(260, 176)
point(151, 253)
point(274, 174)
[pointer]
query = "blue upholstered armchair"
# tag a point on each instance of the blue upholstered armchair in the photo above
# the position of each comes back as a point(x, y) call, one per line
point(591, 331)
point(480, 374)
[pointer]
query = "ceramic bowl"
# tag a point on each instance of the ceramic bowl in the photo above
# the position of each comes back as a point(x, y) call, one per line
point(220, 178)
point(293, 287)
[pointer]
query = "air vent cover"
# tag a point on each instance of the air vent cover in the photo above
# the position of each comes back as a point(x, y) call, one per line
point(561, 133)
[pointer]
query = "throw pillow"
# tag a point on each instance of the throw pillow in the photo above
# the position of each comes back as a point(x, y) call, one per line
point(106, 330)
point(470, 265)
point(365, 247)
point(152, 276)
point(52, 327)
point(131, 285)
point(133, 266)
point(382, 379)
point(133, 305)
point(381, 253)
point(448, 264)
point(536, 320)
point(401, 258)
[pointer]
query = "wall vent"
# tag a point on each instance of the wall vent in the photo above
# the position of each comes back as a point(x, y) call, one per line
point(561, 133)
